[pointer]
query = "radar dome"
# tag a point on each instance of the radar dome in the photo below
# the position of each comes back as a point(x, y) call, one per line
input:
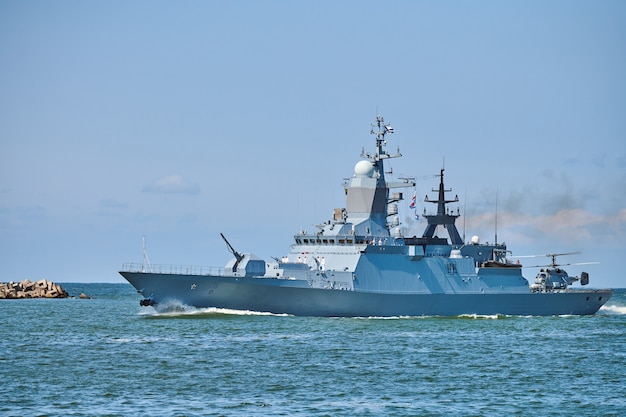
point(475, 240)
point(363, 169)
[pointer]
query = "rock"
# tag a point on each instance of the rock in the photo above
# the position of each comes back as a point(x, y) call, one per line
point(84, 296)
point(28, 289)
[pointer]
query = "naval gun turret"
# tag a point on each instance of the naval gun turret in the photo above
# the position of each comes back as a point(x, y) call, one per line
point(244, 264)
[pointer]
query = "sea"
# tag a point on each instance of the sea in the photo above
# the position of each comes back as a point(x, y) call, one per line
point(107, 356)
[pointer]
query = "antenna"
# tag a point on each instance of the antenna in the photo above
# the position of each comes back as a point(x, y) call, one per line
point(146, 261)
point(464, 213)
point(496, 237)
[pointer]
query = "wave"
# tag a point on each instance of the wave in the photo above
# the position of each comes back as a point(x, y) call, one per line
point(460, 316)
point(482, 316)
point(612, 309)
point(175, 308)
point(139, 339)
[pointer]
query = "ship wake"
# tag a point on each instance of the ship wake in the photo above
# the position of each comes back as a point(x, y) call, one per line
point(612, 309)
point(460, 316)
point(174, 308)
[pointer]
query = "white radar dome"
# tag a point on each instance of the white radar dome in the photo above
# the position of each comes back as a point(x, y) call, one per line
point(475, 240)
point(363, 169)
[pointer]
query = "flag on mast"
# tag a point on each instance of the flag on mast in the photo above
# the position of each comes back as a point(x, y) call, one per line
point(413, 201)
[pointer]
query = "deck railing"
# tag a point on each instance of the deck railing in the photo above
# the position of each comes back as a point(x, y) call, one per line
point(173, 269)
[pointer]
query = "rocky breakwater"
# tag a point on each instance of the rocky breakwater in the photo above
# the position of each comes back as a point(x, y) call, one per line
point(28, 289)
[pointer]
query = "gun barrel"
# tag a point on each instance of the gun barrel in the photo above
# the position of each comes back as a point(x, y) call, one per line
point(232, 250)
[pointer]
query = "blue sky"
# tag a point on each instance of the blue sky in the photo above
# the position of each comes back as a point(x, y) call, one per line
point(180, 120)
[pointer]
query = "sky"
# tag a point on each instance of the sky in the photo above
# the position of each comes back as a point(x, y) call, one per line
point(179, 121)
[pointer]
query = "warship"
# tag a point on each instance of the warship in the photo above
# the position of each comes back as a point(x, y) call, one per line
point(358, 263)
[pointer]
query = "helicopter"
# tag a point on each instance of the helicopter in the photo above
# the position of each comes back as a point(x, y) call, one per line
point(552, 278)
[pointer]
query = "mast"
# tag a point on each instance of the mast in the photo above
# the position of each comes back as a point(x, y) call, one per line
point(145, 266)
point(442, 218)
point(367, 192)
point(382, 129)
point(464, 212)
point(496, 225)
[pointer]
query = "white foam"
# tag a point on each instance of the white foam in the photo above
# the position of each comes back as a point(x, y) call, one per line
point(612, 309)
point(213, 310)
point(463, 316)
point(386, 317)
point(482, 316)
point(176, 308)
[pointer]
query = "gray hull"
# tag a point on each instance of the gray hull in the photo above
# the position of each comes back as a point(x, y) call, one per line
point(296, 298)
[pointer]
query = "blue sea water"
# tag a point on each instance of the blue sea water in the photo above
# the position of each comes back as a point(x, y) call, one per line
point(107, 356)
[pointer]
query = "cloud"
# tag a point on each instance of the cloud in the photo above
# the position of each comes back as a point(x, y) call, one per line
point(173, 184)
point(568, 225)
point(112, 207)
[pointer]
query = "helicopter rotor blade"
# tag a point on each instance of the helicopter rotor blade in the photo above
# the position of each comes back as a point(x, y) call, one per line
point(549, 255)
point(563, 254)
point(555, 265)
